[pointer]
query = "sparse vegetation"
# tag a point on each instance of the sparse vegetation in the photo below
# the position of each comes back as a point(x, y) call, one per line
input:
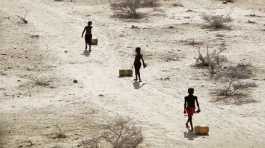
point(122, 133)
point(178, 4)
point(125, 7)
point(213, 61)
point(217, 21)
point(150, 3)
point(41, 82)
point(235, 87)
point(239, 71)
point(22, 19)
point(244, 85)
point(235, 92)
point(192, 42)
point(58, 134)
point(128, 8)
point(232, 76)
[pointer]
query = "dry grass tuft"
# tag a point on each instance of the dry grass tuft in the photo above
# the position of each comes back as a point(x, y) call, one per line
point(128, 8)
point(217, 21)
point(58, 134)
point(235, 92)
point(213, 61)
point(239, 71)
point(121, 133)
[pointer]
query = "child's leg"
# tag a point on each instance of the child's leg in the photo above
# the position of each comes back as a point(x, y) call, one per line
point(89, 47)
point(136, 73)
point(86, 45)
point(90, 42)
point(139, 75)
point(187, 123)
point(191, 125)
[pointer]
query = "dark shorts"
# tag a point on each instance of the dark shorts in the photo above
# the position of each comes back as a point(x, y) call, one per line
point(137, 66)
point(88, 38)
point(190, 111)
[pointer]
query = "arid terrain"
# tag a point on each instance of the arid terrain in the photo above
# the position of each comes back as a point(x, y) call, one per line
point(48, 86)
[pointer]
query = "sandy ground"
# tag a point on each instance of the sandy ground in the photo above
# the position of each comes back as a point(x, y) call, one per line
point(49, 49)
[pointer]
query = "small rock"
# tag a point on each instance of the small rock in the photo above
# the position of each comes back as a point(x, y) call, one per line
point(134, 27)
point(189, 10)
point(35, 36)
point(65, 51)
point(75, 81)
point(101, 95)
point(251, 22)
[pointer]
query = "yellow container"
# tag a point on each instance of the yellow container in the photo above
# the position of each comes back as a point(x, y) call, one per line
point(125, 73)
point(201, 130)
point(94, 42)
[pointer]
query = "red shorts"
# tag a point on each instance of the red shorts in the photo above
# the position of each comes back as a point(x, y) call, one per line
point(190, 111)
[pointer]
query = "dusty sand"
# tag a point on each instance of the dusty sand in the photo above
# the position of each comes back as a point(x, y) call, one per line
point(49, 49)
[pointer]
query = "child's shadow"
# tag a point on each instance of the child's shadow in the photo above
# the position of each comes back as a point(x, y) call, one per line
point(190, 135)
point(137, 85)
point(86, 53)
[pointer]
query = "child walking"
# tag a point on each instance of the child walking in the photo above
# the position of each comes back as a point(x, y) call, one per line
point(189, 106)
point(137, 64)
point(88, 35)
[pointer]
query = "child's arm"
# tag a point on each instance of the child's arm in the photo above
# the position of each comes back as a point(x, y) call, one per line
point(143, 61)
point(83, 32)
point(185, 105)
point(197, 102)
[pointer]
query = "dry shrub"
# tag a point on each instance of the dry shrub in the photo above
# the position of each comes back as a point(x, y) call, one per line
point(125, 8)
point(22, 19)
point(192, 42)
point(150, 3)
point(233, 75)
point(121, 133)
point(217, 21)
point(239, 71)
point(226, 91)
point(90, 143)
point(128, 8)
point(41, 82)
point(37, 81)
point(235, 89)
point(244, 85)
point(213, 61)
point(178, 4)
point(58, 134)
